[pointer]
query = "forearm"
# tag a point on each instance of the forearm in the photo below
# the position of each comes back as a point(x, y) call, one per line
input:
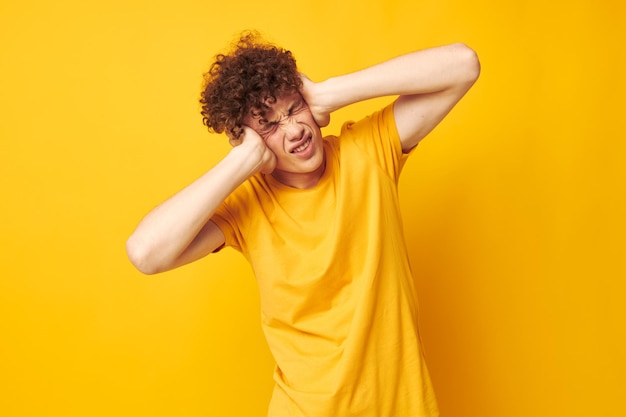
point(164, 233)
point(421, 72)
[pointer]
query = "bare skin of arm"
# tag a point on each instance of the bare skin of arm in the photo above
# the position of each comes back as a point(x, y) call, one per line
point(428, 82)
point(179, 230)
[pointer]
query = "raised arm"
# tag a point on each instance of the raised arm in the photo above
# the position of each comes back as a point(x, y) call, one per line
point(428, 82)
point(179, 230)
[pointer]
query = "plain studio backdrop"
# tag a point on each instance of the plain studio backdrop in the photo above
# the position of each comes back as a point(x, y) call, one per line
point(514, 206)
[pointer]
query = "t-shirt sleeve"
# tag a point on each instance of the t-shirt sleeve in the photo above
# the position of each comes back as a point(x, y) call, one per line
point(377, 136)
point(225, 218)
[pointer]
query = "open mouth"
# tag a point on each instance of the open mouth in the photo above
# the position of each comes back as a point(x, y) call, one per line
point(302, 147)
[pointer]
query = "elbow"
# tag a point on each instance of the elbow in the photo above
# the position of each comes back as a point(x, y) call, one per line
point(139, 256)
point(469, 64)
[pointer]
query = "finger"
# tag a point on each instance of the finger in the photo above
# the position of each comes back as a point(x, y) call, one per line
point(232, 139)
point(306, 84)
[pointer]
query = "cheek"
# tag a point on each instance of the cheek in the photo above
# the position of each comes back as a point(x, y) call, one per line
point(312, 124)
point(274, 143)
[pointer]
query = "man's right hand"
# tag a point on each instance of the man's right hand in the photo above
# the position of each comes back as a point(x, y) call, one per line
point(258, 154)
point(179, 230)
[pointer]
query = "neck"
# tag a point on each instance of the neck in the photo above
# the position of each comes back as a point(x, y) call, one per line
point(300, 180)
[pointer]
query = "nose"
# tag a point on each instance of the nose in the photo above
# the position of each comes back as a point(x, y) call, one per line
point(293, 130)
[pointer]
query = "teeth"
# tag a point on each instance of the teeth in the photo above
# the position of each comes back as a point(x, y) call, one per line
point(302, 147)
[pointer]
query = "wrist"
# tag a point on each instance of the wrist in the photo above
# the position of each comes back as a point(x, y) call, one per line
point(250, 157)
point(244, 160)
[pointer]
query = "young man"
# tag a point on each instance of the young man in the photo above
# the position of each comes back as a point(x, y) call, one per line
point(318, 219)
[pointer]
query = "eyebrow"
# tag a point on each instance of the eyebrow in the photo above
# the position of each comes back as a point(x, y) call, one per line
point(295, 104)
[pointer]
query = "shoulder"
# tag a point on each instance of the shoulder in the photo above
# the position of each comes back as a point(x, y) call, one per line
point(380, 123)
point(376, 138)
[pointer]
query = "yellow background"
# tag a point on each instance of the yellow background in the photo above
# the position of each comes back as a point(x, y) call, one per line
point(514, 206)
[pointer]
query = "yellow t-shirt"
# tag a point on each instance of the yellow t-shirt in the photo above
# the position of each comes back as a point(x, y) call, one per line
point(337, 296)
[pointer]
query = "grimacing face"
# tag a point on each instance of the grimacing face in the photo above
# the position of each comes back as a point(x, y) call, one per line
point(291, 133)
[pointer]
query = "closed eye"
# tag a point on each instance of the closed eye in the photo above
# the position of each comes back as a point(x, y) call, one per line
point(297, 107)
point(268, 127)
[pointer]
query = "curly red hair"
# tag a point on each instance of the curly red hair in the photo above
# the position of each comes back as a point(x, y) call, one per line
point(250, 77)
